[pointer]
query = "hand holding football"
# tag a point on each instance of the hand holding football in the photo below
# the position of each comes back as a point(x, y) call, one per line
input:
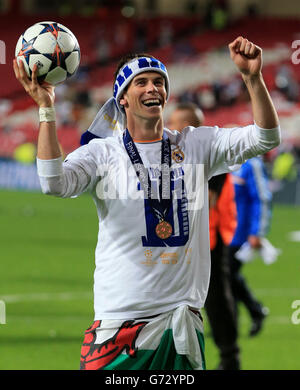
point(53, 48)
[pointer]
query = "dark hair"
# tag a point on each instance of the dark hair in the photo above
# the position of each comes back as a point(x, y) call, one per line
point(196, 115)
point(187, 106)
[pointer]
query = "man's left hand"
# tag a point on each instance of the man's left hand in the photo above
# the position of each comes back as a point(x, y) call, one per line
point(247, 56)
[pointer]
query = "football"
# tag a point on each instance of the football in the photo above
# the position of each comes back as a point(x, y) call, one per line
point(53, 47)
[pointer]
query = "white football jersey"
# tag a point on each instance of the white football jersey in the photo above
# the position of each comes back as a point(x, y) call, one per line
point(138, 274)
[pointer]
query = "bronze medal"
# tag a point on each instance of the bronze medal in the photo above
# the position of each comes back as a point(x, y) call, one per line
point(163, 230)
point(159, 205)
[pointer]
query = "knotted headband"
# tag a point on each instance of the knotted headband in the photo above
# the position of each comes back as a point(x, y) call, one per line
point(111, 117)
point(132, 69)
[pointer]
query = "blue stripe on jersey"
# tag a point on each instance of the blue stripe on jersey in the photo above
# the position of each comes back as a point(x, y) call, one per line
point(253, 201)
point(264, 198)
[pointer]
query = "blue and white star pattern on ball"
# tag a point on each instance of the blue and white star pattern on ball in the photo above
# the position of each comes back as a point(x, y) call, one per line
point(53, 48)
point(132, 69)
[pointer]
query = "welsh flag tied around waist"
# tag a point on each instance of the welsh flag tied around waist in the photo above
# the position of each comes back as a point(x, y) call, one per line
point(172, 340)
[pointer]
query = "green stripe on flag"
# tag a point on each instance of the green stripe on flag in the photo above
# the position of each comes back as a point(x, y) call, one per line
point(163, 358)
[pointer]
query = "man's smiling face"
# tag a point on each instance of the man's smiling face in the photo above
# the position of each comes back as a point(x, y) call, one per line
point(146, 96)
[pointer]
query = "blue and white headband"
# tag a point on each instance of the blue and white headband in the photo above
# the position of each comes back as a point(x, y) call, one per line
point(111, 119)
point(135, 67)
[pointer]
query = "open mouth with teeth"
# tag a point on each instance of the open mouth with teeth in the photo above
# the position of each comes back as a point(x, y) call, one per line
point(152, 102)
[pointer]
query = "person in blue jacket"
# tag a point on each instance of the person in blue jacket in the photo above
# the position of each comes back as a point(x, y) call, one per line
point(253, 202)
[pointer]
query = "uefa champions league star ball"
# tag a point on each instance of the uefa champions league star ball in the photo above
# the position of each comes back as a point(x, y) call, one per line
point(53, 47)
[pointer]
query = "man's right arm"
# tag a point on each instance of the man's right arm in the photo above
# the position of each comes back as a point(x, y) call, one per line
point(48, 146)
point(43, 95)
point(54, 178)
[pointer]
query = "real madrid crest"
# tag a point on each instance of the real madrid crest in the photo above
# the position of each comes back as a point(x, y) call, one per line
point(177, 155)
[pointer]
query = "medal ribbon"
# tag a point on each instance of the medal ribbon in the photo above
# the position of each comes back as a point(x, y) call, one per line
point(159, 206)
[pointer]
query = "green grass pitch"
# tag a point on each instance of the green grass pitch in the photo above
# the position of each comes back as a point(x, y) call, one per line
point(46, 275)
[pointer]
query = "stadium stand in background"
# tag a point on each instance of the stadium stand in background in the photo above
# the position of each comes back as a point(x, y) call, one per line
point(194, 47)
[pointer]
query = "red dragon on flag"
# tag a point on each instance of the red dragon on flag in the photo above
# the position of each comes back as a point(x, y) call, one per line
point(97, 356)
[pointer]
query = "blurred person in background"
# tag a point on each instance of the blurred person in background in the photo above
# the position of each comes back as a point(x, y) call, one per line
point(219, 304)
point(151, 277)
point(253, 201)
